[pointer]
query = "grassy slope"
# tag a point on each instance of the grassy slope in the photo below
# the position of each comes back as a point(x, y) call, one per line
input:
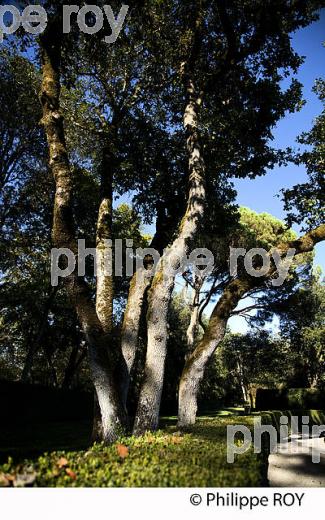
point(163, 459)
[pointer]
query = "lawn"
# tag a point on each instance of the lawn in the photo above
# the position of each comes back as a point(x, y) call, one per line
point(163, 459)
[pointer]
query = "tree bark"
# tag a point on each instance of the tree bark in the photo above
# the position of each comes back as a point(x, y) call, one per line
point(241, 382)
point(147, 416)
point(104, 281)
point(138, 289)
point(102, 362)
point(195, 365)
point(194, 319)
point(131, 325)
point(104, 274)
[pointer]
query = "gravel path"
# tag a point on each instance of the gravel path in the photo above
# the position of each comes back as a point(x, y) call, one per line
point(292, 465)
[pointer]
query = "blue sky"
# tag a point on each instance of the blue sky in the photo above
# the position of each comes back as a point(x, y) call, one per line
point(261, 194)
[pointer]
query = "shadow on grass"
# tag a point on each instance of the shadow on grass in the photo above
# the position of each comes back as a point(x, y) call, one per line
point(164, 459)
point(29, 440)
point(212, 426)
point(207, 414)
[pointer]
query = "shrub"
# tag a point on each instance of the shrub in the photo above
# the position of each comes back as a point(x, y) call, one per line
point(316, 417)
point(289, 398)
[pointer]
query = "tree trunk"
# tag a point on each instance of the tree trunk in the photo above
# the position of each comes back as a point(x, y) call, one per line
point(104, 262)
point(147, 416)
point(195, 305)
point(104, 281)
point(130, 328)
point(196, 363)
point(138, 289)
point(193, 373)
point(241, 382)
point(102, 362)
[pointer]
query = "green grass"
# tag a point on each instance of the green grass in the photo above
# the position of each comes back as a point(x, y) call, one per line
point(32, 439)
point(162, 459)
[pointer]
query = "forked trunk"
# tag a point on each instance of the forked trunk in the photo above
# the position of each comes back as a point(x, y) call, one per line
point(113, 415)
point(147, 416)
point(138, 289)
point(196, 363)
point(63, 234)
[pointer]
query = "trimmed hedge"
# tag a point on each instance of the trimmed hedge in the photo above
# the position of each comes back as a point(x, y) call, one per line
point(316, 417)
point(290, 398)
point(20, 402)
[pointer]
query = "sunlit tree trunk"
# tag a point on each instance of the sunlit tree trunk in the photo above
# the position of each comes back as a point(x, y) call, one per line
point(137, 298)
point(104, 263)
point(131, 326)
point(147, 416)
point(196, 363)
point(194, 317)
point(104, 279)
point(102, 361)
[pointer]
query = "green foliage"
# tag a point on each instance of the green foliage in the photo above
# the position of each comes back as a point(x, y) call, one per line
point(316, 417)
point(249, 229)
point(304, 398)
point(26, 292)
point(162, 459)
point(261, 230)
point(255, 360)
point(290, 398)
point(127, 104)
point(306, 202)
point(216, 389)
point(302, 322)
